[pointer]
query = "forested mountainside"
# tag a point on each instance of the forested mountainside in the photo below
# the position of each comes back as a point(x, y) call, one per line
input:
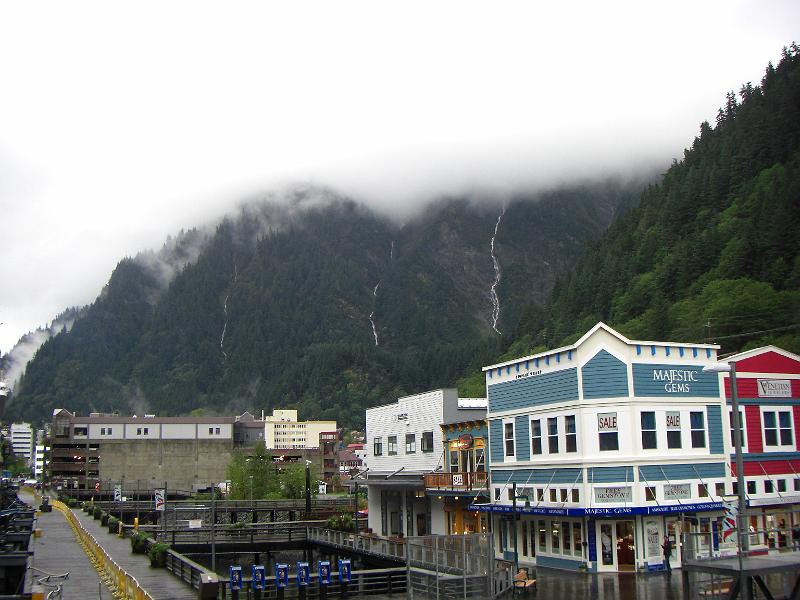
point(317, 304)
point(711, 251)
point(324, 306)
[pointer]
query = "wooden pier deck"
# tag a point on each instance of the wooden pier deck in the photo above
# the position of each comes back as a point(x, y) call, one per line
point(57, 551)
point(159, 583)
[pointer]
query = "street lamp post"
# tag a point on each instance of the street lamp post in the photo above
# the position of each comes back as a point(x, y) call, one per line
point(741, 517)
point(514, 524)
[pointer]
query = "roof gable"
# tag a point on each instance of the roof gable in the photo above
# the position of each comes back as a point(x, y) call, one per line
point(769, 359)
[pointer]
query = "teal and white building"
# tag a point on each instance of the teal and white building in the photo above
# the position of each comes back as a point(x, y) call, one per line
point(610, 444)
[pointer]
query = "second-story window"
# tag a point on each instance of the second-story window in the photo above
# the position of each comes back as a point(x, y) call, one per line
point(698, 426)
point(536, 436)
point(508, 436)
point(608, 436)
point(649, 441)
point(777, 428)
point(741, 429)
point(552, 435)
point(411, 443)
point(377, 446)
point(571, 433)
point(427, 441)
point(392, 450)
point(673, 420)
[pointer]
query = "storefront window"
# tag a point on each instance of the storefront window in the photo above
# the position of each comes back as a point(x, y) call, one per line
point(552, 435)
point(542, 536)
point(571, 434)
point(697, 423)
point(741, 429)
point(509, 438)
point(607, 431)
point(555, 538)
point(673, 429)
point(427, 441)
point(649, 441)
point(536, 436)
point(606, 543)
point(577, 538)
point(480, 460)
point(565, 530)
point(776, 428)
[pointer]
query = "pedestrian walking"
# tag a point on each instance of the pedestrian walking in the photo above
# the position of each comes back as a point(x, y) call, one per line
point(667, 548)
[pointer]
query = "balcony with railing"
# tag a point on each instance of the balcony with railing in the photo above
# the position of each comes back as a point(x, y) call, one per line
point(459, 481)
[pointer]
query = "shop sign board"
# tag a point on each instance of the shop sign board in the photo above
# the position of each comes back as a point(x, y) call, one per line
point(774, 388)
point(606, 495)
point(611, 511)
point(677, 491)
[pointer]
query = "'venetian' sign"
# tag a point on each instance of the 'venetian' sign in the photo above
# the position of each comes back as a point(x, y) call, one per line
point(774, 388)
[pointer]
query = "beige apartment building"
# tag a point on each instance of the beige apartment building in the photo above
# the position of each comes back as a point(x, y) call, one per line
point(283, 431)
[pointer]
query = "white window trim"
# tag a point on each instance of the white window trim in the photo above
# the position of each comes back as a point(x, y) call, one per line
point(744, 428)
point(541, 438)
point(506, 457)
point(780, 447)
point(638, 426)
point(706, 447)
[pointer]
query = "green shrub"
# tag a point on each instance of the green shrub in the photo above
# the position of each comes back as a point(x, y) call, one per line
point(113, 524)
point(340, 522)
point(139, 542)
point(104, 519)
point(158, 554)
point(97, 512)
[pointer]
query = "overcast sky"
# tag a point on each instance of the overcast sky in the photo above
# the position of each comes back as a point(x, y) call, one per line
point(121, 123)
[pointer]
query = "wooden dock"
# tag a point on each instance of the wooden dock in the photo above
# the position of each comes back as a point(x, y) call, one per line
point(57, 551)
point(159, 583)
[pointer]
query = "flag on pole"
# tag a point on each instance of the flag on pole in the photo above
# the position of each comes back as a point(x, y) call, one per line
point(729, 519)
point(159, 499)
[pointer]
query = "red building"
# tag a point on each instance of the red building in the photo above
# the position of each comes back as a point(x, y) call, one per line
point(768, 387)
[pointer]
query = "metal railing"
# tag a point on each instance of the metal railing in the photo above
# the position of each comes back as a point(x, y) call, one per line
point(369, 544)
point(247, 534)
point(709, 545)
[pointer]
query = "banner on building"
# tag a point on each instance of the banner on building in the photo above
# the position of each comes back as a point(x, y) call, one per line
point(117, 493)
point(653, 539)
point(729, 519)
point(159, 499)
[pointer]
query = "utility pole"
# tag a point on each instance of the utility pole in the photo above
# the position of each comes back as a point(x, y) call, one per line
point(514, 524)
point(213, 527)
